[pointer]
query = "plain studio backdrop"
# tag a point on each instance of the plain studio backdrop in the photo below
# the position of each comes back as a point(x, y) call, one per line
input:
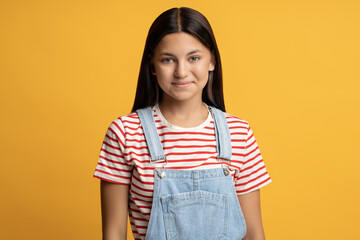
point(68, 68)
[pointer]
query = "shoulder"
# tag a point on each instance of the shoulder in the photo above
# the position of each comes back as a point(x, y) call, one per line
point(236, 122)
point(125, 123)
point(129, 119)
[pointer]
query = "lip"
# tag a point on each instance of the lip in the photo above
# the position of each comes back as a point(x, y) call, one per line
point(182, 84)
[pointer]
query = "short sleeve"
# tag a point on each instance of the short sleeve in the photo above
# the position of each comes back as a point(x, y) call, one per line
point(112, 165)
point(253, 174)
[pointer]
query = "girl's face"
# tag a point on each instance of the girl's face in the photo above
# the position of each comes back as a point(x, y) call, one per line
point(181, 64)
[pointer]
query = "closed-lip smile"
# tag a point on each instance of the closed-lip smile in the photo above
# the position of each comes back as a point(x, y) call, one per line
point(181, 84)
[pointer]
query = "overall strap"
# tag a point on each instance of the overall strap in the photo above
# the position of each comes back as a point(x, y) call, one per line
point(151, 136)
point(222, 133)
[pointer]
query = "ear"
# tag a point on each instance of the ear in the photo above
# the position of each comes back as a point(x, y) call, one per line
point(212, 62)
point(152, 69)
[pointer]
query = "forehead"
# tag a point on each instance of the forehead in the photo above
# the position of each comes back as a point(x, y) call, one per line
point(180, 42)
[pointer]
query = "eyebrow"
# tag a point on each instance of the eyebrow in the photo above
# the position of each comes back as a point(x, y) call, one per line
point(170, 54)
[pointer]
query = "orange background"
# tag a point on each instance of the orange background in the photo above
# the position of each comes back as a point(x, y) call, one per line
point(68, 68)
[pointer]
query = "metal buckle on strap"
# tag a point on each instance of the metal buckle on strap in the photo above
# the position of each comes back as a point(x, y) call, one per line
point(156, 164)
point(227, 166)
point(153, 162)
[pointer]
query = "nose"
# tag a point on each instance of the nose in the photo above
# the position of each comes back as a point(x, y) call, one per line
point(181, 70)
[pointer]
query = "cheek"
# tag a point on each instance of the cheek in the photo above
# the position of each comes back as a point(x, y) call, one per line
point(163, 77)
point(164, 72)
point(202, 70)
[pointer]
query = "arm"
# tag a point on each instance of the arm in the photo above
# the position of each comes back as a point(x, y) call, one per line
point(250, 205)
point(114, 209)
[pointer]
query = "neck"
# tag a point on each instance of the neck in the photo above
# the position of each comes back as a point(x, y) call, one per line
point(189, 113)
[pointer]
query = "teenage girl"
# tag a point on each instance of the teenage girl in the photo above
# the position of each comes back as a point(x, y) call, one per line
point(179, 165)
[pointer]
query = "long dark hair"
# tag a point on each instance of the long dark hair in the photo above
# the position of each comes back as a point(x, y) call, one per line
point(178, 20)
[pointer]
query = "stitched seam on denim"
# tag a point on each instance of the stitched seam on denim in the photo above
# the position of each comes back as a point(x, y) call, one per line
point(155, 196)
point(226, 214)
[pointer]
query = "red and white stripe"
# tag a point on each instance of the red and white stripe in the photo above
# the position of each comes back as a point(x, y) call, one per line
point(124, 158)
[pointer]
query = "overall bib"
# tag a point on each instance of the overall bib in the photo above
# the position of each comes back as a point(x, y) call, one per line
point(193, 204)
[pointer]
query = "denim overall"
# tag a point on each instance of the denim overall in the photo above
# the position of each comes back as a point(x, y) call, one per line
point(193, 204)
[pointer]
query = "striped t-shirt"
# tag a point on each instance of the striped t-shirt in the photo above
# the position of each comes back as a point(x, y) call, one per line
point(124, 158)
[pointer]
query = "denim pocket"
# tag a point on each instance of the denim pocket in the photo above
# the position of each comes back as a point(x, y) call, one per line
point(191, 215)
